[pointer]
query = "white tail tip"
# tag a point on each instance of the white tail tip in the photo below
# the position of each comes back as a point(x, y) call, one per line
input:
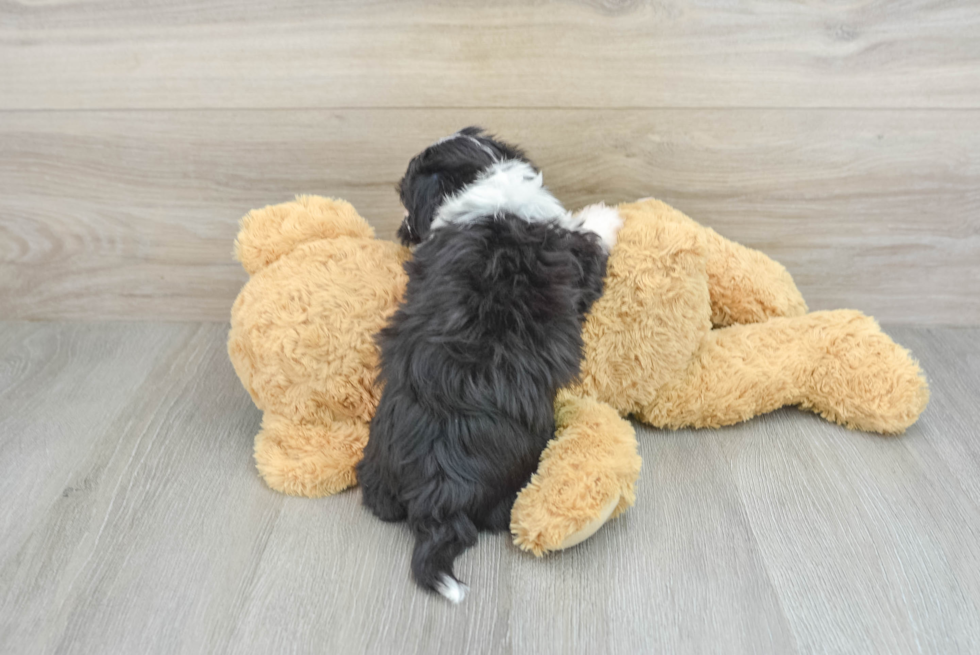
point(453, 590)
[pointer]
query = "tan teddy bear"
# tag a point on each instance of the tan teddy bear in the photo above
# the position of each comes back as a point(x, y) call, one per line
point(691, 330)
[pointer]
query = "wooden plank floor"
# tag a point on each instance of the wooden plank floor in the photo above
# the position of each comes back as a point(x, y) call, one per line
point(132, 521)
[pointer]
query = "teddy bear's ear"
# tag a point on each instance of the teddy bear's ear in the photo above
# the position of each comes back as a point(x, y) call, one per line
point(267, 234)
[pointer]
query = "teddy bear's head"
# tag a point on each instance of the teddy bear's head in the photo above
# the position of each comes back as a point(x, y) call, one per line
point(269, 233)
point(302, 328)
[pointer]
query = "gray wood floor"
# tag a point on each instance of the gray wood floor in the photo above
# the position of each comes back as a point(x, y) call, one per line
point(132, 521)
point(843, 139)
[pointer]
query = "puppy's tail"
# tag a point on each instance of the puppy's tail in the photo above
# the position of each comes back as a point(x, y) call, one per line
point(437, 545)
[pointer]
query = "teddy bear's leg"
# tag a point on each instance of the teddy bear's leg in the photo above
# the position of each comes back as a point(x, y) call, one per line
point(309, 459)
point(746, 286)
point(585, 477)
point(860, 378)
point(838, 364)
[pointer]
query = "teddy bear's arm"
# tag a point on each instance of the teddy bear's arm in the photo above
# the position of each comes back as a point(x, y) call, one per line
point(585, 477)
point(747, 286)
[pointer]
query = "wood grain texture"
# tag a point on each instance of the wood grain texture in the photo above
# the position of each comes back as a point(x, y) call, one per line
point(132, 214)
point(134, 521)
point(99, 426)
point(510, 53)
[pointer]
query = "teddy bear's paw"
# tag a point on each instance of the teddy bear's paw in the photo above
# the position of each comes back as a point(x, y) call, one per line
point(310, 460)
point(862, 379)
point(586, 476)
point(603, 221)
point(556, 514)
point(590, 528)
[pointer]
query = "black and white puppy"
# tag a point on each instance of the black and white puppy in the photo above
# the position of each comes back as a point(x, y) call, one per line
point(488, 331)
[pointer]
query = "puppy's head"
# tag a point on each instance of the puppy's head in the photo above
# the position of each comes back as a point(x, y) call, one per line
point(442, 170)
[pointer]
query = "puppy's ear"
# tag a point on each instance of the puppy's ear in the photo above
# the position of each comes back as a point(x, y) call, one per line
point(421, 199)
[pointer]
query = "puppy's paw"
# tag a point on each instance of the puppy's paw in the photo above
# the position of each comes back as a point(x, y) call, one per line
point(603, 221)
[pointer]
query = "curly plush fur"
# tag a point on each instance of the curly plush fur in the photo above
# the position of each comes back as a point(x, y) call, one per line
point(691, 330)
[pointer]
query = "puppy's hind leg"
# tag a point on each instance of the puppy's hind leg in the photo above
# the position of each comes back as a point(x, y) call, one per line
point(377, 493)
point(498, 518)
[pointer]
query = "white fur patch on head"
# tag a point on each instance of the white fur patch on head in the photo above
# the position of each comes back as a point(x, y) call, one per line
point(456, 135)
point(510, 186)
point(513, 187)
point(453, 590)
point(450, 137)
point(603, 221)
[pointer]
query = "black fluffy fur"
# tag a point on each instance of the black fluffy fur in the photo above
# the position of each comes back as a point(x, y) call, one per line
point(488, 331)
